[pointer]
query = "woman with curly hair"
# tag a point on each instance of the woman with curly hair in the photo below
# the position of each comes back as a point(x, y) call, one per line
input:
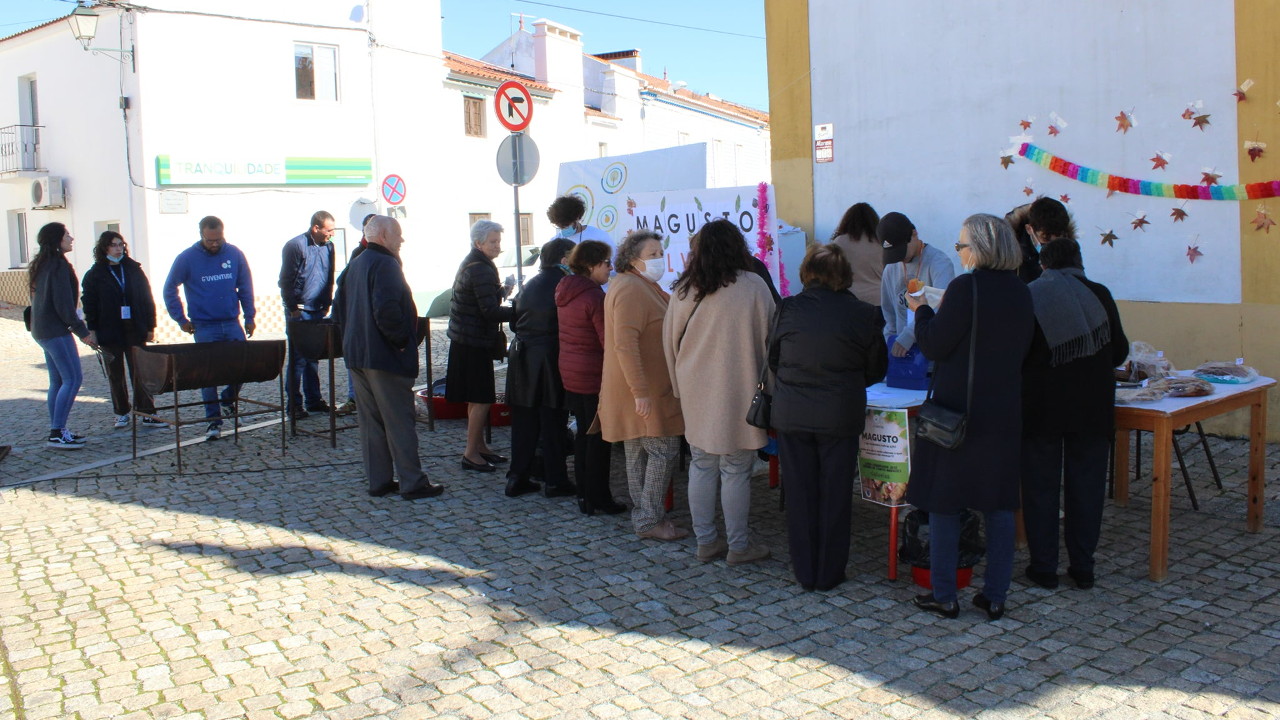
point(715, 337)
point(54, 318)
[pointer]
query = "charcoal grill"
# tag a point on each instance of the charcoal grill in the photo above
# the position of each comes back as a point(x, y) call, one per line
point(318, 340)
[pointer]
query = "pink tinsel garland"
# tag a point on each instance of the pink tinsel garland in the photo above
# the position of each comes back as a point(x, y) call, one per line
point(764, 241)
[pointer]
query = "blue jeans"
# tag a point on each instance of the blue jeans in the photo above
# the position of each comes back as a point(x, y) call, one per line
point(209, 331)
point(944, 549)
point(65, 376)
point(308, 370)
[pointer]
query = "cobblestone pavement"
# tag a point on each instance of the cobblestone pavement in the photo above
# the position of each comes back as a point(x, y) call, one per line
point(264, 585)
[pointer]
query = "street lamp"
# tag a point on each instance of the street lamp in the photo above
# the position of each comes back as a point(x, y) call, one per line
point(84, 26)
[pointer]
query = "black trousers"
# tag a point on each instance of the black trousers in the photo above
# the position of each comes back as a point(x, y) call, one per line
point(591, 454)
point(533, 429)
point(119, 383)
point(818, 472)
point(1073, 465)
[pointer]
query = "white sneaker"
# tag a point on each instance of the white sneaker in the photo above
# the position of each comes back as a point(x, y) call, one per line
point(122, 421)
point(65, 441)
point(153, 423)
point(214, 432)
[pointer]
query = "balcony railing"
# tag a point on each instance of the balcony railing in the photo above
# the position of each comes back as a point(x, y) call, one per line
point(20, 148)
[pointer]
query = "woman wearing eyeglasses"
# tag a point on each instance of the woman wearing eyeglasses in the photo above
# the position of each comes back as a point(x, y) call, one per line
point(119, 308)
point(580, 306)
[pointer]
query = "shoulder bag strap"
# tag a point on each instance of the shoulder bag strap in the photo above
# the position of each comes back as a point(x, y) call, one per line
point(680, 341)
point(773, 327)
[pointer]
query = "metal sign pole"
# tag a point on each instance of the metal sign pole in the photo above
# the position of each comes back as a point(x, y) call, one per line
point(515, 189)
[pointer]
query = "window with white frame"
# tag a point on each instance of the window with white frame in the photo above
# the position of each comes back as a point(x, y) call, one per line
point(473, 116)
point(19, 241)
point(315, 72)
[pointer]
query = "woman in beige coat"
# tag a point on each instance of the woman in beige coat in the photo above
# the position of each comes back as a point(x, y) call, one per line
point(715, 337)
point(637, 405)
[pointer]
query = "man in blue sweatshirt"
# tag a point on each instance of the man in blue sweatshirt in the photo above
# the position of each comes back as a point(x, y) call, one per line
point(306, 287)
point(216, 281)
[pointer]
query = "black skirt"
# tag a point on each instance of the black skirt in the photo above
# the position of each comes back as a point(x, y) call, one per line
point(469, 376)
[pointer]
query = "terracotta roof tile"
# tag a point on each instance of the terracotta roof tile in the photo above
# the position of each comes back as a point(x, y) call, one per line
point(592, 112)
point(478, 68)
point(34, 28)
point(721, 105)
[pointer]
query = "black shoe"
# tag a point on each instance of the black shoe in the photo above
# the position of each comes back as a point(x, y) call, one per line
point(1046, 580)
point(609, 507)
point(477, 467)
point(320, 407)
point(1084, 580)
point(564, 489)
point(832, 585)
point(586, 507)
point(298, 413)
point(520, 486)
point(927, 602)
point(426, 490)
point(386, 490)
point(494, 458)
point(995, 611)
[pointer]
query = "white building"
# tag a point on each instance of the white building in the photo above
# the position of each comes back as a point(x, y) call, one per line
point(262, 113)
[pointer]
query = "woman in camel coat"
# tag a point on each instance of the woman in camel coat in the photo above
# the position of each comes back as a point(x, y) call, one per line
point(637, 405)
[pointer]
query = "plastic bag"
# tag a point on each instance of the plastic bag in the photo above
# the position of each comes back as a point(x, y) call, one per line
point(1146, 362)
point(1228, 373)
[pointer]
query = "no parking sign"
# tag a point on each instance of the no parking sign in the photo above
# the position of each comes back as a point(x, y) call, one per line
point(393, 189)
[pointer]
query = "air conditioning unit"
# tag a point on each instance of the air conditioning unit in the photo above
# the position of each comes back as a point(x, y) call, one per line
point(46, 192)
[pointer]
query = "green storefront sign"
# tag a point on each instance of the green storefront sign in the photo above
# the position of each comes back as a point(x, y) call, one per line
point(175, 170)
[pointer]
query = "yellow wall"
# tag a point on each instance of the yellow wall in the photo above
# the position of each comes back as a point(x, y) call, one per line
point(790, 110)
point(1258, 59)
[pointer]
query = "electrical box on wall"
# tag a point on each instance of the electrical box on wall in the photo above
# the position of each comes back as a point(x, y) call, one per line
point(47, 192)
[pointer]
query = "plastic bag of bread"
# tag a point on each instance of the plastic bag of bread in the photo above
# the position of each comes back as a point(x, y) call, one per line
point(1182, 386)
point(1146, 362)
point(1132, 396)
point(1229, 373)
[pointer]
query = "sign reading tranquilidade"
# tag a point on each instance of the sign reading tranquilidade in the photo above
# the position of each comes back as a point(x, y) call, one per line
point(193, 170)
point(884, 457)
point(678, 214)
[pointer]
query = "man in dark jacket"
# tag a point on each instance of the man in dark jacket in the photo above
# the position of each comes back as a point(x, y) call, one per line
point(306, 287)
point(1068, 401)
point(539, 413)
point(379, 337)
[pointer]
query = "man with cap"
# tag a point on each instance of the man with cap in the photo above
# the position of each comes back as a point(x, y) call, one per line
point(906, 257)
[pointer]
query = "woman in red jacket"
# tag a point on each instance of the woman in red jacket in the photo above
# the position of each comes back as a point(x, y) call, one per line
point(580, 310)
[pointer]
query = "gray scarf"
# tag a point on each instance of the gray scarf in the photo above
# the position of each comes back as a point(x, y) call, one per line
point(1070, 315)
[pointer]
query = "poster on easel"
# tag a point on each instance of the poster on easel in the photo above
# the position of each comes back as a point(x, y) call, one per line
point(884, 457)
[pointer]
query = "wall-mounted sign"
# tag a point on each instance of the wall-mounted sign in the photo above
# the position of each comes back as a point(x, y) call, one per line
point(262, 170)
point(173, 202)
point(393, 189)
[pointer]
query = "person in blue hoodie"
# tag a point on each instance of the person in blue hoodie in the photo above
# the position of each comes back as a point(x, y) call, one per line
point(217, 283)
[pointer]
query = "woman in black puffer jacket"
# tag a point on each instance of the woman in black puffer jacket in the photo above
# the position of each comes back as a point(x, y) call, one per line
point(825, 350)
point(476, 314)
point(119, 307)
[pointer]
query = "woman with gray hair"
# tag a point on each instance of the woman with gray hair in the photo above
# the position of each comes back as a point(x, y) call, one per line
point(983, 472)
point(476, 339)
point(638, 406)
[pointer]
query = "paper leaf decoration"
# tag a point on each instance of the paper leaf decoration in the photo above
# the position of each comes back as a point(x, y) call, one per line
point(1188, 114)
point(1208, 177)
point(1006, 161)
point(1057, 121)
point(1065, 199)
point(1124, 121)
point(1109, 238)
point(1028, 191)
point(1193, 252)
point(1262, 221)
point(1255, 149)
point(1141, 222)
point(1110, 192)
point(1178, 214)
point(1053, 130)
point(1025, 124)
point(1200, 121)
point(1240, 96)
point(1159, 161)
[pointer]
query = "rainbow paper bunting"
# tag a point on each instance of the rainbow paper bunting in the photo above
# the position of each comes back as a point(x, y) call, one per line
point(1106, 181)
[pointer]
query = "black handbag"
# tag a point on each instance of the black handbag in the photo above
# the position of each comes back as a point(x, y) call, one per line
point(941, 425)
point(762, 401)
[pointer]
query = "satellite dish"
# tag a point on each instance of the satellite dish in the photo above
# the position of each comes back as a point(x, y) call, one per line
point(361, 208)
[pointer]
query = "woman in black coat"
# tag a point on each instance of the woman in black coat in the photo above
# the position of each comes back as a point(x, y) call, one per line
point(983, 473)
point(476, 314)
point(119, 307)
point(825, 350)
point(1068, 409)
point(539, 411)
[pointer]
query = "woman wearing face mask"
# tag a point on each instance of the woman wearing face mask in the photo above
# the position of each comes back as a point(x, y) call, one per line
point(637, 405)
point(119, 308)
point(52, 283)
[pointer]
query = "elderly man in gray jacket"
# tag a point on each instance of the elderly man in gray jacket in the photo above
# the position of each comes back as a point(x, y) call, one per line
point(379, 338)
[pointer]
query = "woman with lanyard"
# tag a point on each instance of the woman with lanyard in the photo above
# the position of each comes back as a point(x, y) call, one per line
point(119, 308)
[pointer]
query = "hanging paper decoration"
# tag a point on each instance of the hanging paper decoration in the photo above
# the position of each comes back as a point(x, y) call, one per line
point(1056, 124)
point(1140, 222)
point(1028, 191)
point(1188, 114)
point(1193, 252)
point(1178, 214)
point(1209, 177)
point(1124, 121)
point(1160, 160)
point(1053, 130)
point(1065, 199)
point(1109, 238)
point(1026, 124)
point(1006, 161)
point(1119, 183)
point(1200, 121)
point(1244, 88)
point(1262, 220)
point(1255, 149)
